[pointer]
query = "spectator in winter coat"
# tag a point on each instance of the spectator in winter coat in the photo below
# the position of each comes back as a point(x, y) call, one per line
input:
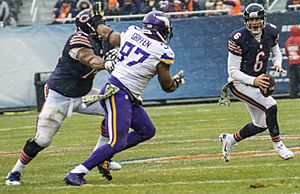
point(292, 50)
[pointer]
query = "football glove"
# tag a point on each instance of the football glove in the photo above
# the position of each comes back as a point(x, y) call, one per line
point(91, 99)
point(96, 14)
point(224, 98)
point(110, 65)
point(179, 78)
point(111, 55)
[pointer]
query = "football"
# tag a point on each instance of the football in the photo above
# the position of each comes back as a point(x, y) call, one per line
point(269, 91)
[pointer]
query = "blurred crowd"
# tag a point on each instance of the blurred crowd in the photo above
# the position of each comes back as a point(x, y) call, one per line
point(9, 10)
point(293, 5)
point(64, 10)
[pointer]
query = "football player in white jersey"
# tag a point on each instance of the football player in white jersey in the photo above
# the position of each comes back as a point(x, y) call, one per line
point(143, 54)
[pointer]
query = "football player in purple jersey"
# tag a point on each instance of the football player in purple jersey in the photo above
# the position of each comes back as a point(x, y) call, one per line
point(82, 57)
point(249, 51)
point(143, 53)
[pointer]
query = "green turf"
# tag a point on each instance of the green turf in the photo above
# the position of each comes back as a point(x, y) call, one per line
point(186, 130)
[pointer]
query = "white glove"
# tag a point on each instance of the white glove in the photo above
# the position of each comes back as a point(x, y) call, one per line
point(110, 65)
point(111, 55)
point(179, 78)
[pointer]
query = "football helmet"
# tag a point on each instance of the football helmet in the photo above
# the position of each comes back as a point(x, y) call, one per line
point(255, 18)
point(83, 22)
point(158, 25)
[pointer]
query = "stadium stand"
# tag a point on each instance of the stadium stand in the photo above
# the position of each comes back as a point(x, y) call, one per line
point(40, 11)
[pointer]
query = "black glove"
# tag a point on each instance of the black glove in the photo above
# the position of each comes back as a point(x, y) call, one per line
point(96, 14)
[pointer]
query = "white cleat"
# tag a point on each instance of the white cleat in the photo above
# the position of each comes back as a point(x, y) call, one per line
point(13, 178)
point(114, 165)
point(282, 151)
point(227, 144)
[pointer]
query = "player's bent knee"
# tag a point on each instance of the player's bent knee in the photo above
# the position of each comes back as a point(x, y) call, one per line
point(150, 132)
point(43, 140)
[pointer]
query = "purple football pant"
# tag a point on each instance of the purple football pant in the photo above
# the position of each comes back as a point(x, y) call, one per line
point(120, 115)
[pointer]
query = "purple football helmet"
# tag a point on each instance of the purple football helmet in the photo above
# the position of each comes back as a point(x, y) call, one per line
point(158, 24)
point(83, 22)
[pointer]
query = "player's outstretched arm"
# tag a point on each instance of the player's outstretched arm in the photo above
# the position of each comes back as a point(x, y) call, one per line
point(107, 33)
point(104, 31)
point(86, 56)
point(167, 83)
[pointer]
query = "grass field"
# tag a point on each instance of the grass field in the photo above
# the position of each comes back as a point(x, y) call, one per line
point(183, 157)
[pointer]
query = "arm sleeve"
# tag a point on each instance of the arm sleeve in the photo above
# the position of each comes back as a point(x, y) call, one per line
point(276, 55)
point(234, 63)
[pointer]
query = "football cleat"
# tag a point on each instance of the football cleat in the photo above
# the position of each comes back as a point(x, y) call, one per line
point(114, 165)
point(13, 178)
point(282, 151)
point(76, 179)
point(227, 145)
point(104, 170)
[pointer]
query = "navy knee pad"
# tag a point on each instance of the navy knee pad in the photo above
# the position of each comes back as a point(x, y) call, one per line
point(31, 148)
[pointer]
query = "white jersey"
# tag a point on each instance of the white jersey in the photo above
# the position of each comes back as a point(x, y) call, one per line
point(138, 57)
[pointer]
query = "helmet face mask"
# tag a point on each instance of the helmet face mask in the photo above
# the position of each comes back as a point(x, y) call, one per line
point(255, 18)
point(255, 25)
point(158, 25)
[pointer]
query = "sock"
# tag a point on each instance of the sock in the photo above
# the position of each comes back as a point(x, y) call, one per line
point(80, 169)
point(101, 141)
point(232, 139)
point(237, 136)
point(19, 166)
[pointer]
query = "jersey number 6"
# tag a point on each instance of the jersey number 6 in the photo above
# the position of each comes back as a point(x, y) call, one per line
point(258, 62)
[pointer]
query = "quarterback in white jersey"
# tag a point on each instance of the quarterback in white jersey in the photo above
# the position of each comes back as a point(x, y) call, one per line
point(143, 53)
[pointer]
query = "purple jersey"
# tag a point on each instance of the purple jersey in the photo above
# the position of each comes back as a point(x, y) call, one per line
point(255, 54)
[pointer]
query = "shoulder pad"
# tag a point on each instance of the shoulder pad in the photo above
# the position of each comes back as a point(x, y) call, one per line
point(235, 41)
point(168, 55)
point(272, 31)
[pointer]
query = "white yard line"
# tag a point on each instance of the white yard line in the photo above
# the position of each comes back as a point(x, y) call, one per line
point(17, 128)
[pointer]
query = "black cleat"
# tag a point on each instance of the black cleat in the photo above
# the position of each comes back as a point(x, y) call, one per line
point(104, 170)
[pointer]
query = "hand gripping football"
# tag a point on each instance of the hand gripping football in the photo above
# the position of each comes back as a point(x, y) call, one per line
point(269, 91)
